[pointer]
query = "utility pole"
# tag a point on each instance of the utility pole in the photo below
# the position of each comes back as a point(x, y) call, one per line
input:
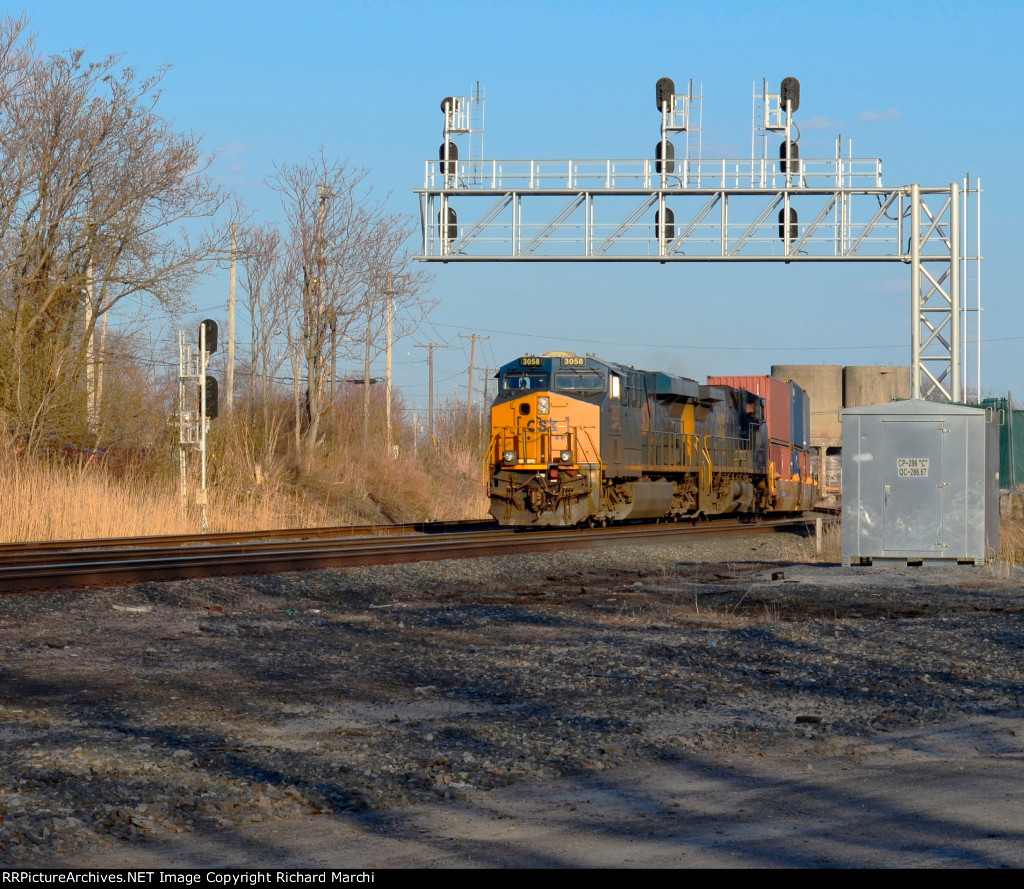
point(472, 362)
point(366, 365)
point(486, 371)
point(332, 320)
point(430, 392)
point(389, 293)
point(90, 368)
point(99, 355)
point(230, 375)
point(93, 363)
point(316, 360)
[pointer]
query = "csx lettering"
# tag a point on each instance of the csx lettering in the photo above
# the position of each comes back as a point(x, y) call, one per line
point(541, 425)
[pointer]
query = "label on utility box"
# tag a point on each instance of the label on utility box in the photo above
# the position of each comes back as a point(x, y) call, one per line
point(912, 467)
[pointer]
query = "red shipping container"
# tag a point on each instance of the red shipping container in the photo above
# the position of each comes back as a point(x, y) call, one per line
point(776, 395)
point(781, 457)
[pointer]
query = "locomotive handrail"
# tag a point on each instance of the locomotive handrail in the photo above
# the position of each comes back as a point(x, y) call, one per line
point(596, 451)
point(680, 446)
point(708, 468)
point(726, 447)
point(489, 460)
point(531, 444)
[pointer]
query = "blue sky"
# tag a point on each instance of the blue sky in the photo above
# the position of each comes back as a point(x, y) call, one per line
point(934, 89)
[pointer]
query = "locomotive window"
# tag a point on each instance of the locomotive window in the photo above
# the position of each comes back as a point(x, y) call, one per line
point(615, 384)
point(514, 380)
point(574, 379)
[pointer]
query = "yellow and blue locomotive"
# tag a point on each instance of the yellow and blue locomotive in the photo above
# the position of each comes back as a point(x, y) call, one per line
point(578, 440)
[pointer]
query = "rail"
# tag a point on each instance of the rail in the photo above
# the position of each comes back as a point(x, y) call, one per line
point(56, 547)
point(55, 569)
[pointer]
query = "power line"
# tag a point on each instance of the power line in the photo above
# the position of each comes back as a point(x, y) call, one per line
point(679, 346)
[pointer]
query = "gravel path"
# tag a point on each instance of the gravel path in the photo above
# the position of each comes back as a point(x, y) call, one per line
point(277, 719)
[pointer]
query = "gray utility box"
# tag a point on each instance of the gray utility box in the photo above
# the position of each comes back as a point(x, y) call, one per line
point(920, 483)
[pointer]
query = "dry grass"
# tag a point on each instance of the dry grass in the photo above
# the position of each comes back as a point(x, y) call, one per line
point(1011, 547)
point(44, 502)
point(679, 611)
point(831, 543)
point(807, 549)
point(254, 480)
point(40, 501)
point(673, 598)
point(1011, 541)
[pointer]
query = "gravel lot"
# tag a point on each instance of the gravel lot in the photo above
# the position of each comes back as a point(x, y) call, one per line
point(714, 703)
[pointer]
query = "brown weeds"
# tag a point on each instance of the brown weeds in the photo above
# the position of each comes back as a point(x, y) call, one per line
point(254, 480)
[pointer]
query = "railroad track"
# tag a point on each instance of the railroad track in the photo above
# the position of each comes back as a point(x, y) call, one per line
point(58, 565)
point(241, 537)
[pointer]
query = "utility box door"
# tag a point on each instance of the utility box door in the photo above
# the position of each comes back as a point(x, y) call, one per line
point(912, 476)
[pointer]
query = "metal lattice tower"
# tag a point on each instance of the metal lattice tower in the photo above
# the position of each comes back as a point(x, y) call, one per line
point(971, 283)
point(695, 209)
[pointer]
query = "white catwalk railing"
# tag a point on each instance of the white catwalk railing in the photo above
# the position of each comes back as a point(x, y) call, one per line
point(627, 175)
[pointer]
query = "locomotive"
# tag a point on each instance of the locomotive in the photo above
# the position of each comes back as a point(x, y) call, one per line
point(576, 440)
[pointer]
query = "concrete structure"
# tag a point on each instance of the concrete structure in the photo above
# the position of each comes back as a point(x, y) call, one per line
point(920, 483)
point(874, 384)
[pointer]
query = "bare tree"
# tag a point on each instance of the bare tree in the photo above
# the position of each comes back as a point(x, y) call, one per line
point(394, 306)
point(335, 231)
point(100, 200)
point(265, 279)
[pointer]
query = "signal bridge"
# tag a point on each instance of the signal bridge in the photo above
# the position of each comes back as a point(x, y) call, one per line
point(694, 209)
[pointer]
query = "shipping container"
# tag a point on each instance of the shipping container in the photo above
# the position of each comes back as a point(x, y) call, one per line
point(800, 416)
point(789, 462)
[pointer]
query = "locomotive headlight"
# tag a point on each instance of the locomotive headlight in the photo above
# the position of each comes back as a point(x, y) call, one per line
point(508, 456)
point(543, 404)
point(566, 456)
